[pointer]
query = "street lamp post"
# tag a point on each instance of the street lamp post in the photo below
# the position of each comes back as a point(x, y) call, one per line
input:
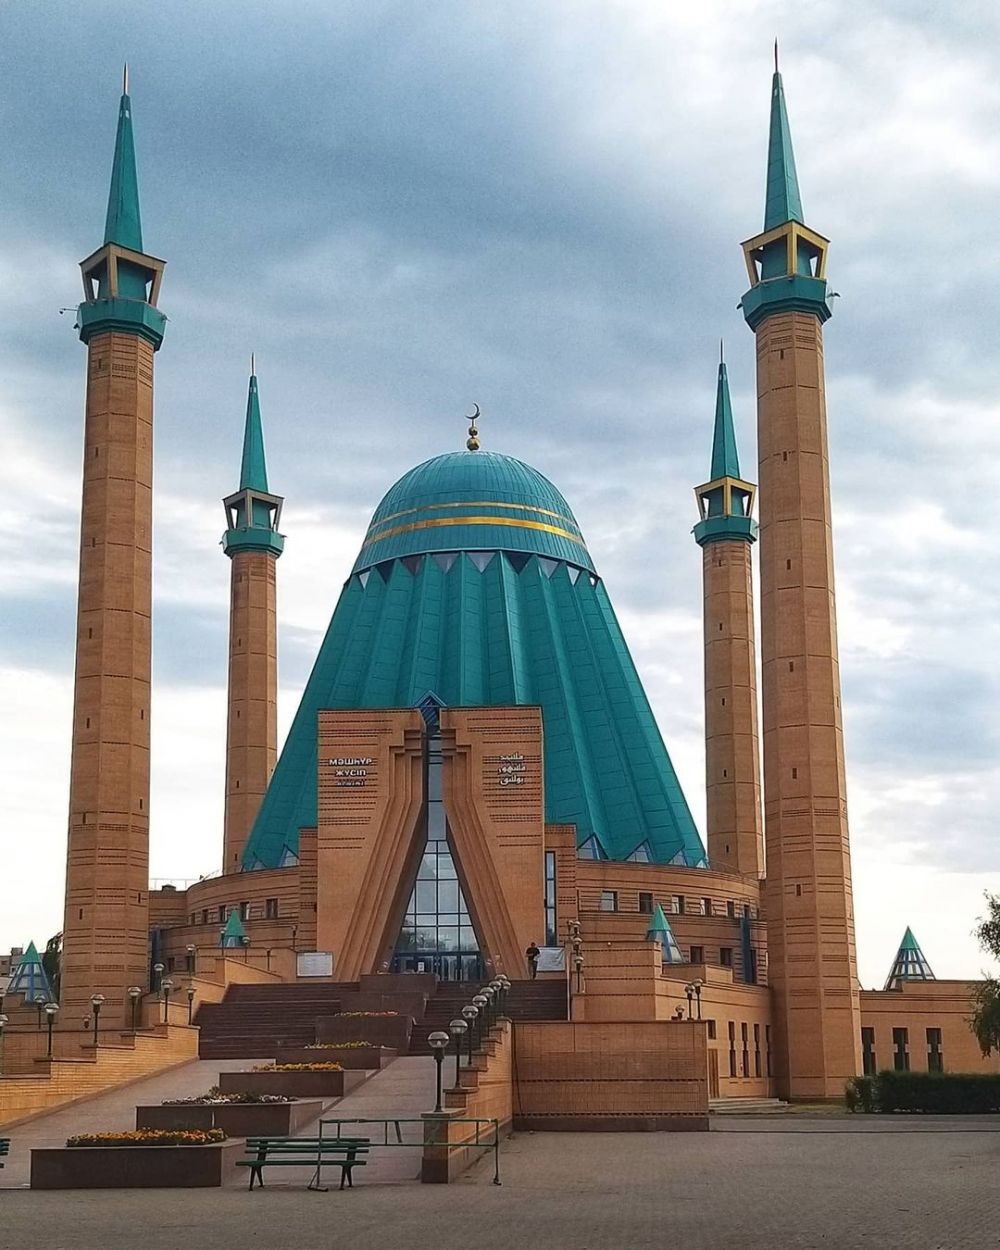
point(697, 995)
point(481, 1002)
point(457, 1028)
point(438, 1043)
point(97, 1002)
point(487, 993)
point(689, 991)
point(190, 998)
point(134, 993)
point(470, 1014)
point(192, 952)
point(3, 1026)
point(40, 1001)
point(157, 977)
point(578, 964)
point(165, 988)
point(51, 1010)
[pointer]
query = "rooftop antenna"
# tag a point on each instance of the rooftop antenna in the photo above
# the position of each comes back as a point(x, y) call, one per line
point(472, 442)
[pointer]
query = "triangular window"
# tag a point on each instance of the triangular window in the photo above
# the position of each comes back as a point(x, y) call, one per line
point(429, 707)
point(548, 567)
point(590, 849)
point(363, 578)
point(641, 855)
point(384, 570)
point(444, 559)
point(518, 559)
point(413, 564)
point(481, 559)
point(573, 573)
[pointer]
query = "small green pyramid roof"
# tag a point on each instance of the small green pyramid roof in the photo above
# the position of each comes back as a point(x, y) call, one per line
point(30, 978)
point(660, 931)
point(910, 963)
point(123, 225)
point(725, 460)
point(253, 469)
point(782, 201)
point(234, 933)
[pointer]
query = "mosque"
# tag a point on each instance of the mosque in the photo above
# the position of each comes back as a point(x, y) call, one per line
point(474, 767)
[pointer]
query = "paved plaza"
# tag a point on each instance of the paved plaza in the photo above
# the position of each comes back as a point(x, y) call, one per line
point(927, 1185)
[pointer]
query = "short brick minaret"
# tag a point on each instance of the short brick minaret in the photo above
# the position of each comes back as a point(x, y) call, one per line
point(809, 905)
point(253, 544)
point(726, 533)
point(106, 925)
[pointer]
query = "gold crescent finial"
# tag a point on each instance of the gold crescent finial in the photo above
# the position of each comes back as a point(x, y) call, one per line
point(472, 442)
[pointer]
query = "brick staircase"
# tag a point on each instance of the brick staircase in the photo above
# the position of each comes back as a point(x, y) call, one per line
point(527, 1000)
point(253, 1020)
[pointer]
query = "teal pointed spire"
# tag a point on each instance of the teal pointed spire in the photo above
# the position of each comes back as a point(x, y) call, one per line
point(725, 501)
point(234, 933)
point(252, 513)
point(253, 471)
point(910, 963)
point(660, 931)
point(782, 201)
point(725, 461)
point(123, 225)
point(30, 979)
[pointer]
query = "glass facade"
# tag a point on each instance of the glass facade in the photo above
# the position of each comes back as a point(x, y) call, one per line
point(551, 936)
point(437, 934)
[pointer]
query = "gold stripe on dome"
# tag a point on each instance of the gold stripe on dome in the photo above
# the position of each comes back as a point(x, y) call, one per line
point(476, 520)
point(475, 503)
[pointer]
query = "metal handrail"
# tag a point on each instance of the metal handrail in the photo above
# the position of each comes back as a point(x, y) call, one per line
point(493, 1145)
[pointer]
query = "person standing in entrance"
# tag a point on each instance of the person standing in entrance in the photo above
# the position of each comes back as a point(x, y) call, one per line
point(532, 954)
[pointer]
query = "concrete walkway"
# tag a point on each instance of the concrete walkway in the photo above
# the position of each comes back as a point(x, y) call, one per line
point(113, 1110)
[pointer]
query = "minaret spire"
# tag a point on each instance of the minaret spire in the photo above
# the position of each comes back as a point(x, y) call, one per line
point(253, 544)
point(123, 225)
point(782, 201)
point(725, 460)
point(253, 469)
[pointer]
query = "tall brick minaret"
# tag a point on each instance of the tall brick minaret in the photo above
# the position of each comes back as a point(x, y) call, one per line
point(810, 912)
point(726, 533)
point(253, 544)
point(106, 926)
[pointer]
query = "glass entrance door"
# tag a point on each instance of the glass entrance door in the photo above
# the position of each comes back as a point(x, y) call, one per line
point(437, 934)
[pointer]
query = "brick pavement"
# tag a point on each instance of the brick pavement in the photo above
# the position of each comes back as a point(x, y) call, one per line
point(909, 1190)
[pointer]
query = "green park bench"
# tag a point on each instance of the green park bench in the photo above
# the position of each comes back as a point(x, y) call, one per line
point(4, 1149)
point(315, 1152)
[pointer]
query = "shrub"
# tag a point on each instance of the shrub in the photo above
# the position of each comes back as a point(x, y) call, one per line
point(370, 1014)
point(341, 1046)
point(938, 1093)
point(298, 1067)
point(151, 1137)
point(213, 1099)
point(859, 1094)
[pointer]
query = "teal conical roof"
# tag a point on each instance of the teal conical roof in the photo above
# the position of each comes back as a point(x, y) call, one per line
point(474, 582)
point(234, 933)
point(123, 225)
point(253, 469)
point(30, 979)
point(910, 963)
point(725, 460)
point(782, 201)
point(660, 931)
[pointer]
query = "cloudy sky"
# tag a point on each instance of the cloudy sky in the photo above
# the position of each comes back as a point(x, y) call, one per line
point(403, 208)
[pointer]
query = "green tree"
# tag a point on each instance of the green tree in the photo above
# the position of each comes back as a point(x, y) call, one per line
point(985, 1020)
point(52, 961)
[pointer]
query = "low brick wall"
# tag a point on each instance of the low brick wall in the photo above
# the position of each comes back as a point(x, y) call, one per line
point(326, 1085)
point(616, 1076)
point(485, 1093)
point(135, 1167)
point(260, 1119)
point(391, 1031)
point(369, 1058)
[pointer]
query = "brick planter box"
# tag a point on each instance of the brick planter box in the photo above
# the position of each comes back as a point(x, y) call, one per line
point(325, 1085)
point(135, 1167)
point(390, 1031)
point(276, 1119)
point(370, 1058)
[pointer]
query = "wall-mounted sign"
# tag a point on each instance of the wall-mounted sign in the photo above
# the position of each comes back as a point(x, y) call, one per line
point(511, 770)
point(350, 770)
point(314, 964)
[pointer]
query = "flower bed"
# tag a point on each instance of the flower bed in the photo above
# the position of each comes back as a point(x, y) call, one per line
point(374, 1015)
point(377, 1028)
point(327, 1080)
point(149, 1137)
point(246, 1115)
point(353, 1055)
point(299, 1067)
point(215, 1098)
point(337, 1046)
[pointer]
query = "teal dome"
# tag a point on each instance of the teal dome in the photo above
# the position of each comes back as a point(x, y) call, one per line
point(473, 501)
